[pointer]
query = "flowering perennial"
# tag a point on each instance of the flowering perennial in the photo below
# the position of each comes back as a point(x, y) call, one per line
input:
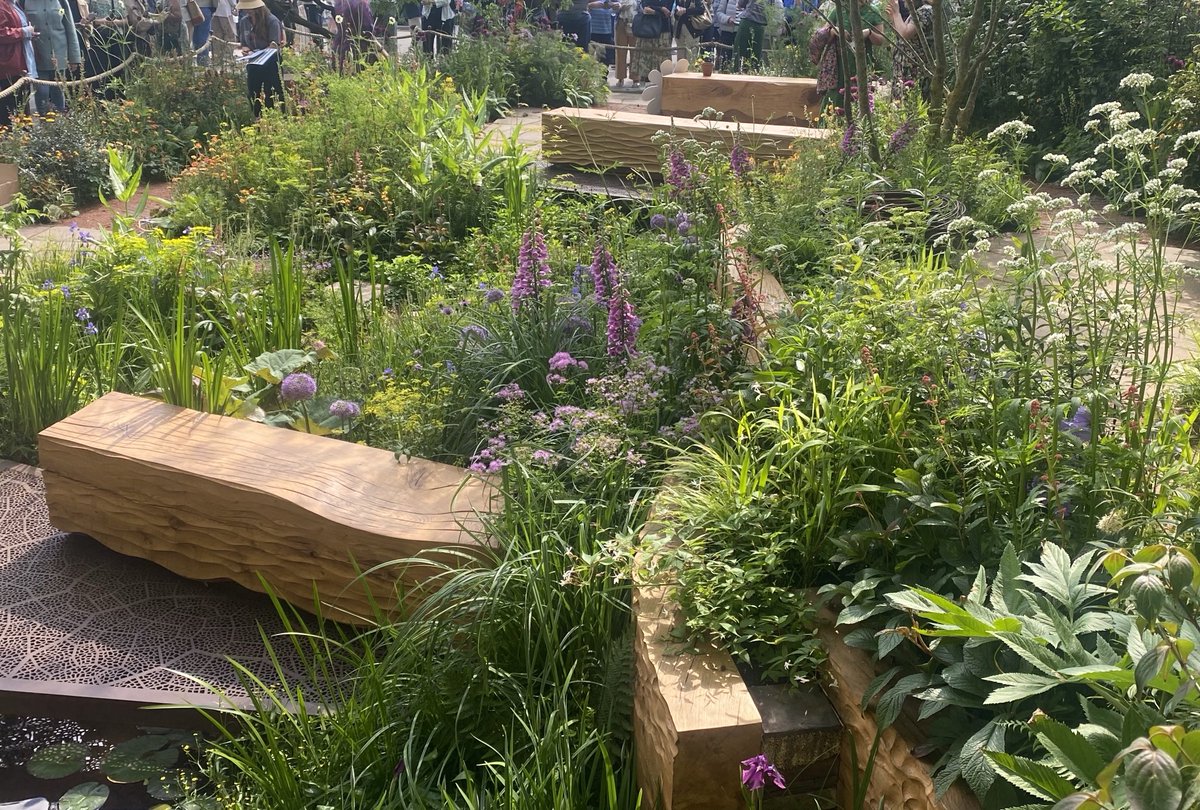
point(533, 269)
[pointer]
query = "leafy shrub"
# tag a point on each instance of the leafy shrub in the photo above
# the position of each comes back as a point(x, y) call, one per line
point(384, 154)
point(536, 68)
point(60, 157)
point(171, 107)
point(1059, 58)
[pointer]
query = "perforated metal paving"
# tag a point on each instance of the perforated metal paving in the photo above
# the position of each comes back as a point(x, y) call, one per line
point(79, 621)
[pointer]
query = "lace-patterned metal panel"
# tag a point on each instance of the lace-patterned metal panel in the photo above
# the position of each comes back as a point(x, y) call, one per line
point(78, 617)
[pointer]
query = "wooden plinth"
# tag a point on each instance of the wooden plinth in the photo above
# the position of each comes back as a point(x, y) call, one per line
point(748, 99)
point(216, 498)
point(899, 780)
point(604, 139)
point(693, 717)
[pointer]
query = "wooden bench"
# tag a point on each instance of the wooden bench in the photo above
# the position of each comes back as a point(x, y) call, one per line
point(603, 139)
point(216, 498)
point(748, 99)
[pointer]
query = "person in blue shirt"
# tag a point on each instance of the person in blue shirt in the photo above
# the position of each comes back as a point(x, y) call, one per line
point(603, 13)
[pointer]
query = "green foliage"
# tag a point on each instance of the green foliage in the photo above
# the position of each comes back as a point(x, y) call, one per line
point(171, 109)
point(530, 67)
point(60, 158)
point(1058, 58)
point(386, 154)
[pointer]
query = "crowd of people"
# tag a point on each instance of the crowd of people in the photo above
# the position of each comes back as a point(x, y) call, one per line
point(55, 41)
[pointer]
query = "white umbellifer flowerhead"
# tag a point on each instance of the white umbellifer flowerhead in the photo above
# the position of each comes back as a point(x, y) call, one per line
point(1137, 81)
point(1016, 129)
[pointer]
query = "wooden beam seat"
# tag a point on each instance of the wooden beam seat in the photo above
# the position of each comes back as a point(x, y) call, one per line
point(216, 498)
point(602, 139)
point(748, 99)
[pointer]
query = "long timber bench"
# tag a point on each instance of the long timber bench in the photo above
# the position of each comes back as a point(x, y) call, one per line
point(216, 498)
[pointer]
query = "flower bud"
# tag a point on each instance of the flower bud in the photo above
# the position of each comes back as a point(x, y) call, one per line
point(1179, 572)
point(1149, 595)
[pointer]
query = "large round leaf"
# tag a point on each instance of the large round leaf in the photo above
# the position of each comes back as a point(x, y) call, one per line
point(58, 760)
point(88, 796)
point(139, 759)
point(167, 787)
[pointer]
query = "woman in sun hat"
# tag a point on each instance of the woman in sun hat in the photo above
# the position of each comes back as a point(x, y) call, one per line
point(258, 28)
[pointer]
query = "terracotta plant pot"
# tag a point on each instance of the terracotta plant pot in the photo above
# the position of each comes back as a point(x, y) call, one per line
point(706, 68)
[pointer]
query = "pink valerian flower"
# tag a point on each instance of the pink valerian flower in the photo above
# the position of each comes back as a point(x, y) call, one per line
point(543, 457)
point(533, 269)
point(509, 392)
point(623, 324)
point(757, 770)
point(554, 378)
point(561, 361)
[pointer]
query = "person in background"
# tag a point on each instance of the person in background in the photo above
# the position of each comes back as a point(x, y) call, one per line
point(824, 46)
point(911, 54)
point(604, 26)
point(202, 29)
point(650, 53)
point(725, 22)
point(353, 22)
point(16, 57)
point(576, 23)
point(258, 28)
point(56, 50)
point(625, 40)
point(748, 42)
point(691, 20)
point(109, 40)
point(224, 32)
point(437, 17)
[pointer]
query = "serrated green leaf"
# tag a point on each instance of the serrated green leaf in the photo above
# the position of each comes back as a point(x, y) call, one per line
point(1035, 778)
point(977, 769)
point(1071, 749)
point(1018, 686)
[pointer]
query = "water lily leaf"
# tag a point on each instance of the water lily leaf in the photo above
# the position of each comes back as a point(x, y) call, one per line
point(136, 761)
point(58, 760)
point(167, 787)
point(88, 796)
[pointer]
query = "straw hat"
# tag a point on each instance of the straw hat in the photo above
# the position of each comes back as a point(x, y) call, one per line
point(247, 5)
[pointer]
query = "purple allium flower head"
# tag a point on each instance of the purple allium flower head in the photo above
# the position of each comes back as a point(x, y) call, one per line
point(757, 770)
point(298, 387)
point(90, 328)
point(739, 160)
point(658, 222)
point(82, 314)
point(623, 324)
point(679, 171)
point(683, 224)
point(47, 285)
point(604, 271)
point(344, 409)
point(533, 269)
point(494, 296)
